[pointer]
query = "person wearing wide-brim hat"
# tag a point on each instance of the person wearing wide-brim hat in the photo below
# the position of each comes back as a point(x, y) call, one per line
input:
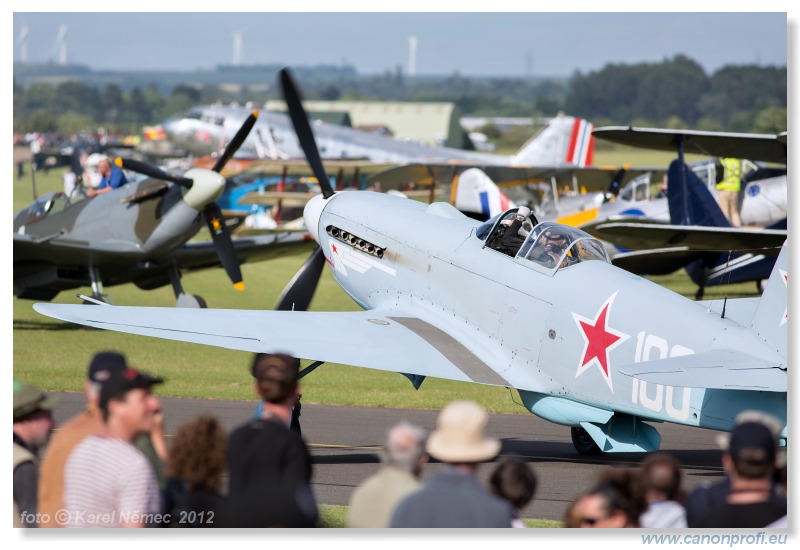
point(453, 497)
point(33, 422)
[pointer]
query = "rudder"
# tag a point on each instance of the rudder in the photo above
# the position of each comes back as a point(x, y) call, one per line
point(694, 205)
point(770, 320)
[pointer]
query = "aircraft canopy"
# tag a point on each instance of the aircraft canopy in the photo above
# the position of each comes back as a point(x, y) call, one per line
point(553, 246)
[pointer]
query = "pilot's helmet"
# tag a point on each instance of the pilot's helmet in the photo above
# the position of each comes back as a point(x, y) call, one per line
point(554, 238)
point(523, 212)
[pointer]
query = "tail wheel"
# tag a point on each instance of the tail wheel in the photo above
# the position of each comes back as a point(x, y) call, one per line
point(583, 442)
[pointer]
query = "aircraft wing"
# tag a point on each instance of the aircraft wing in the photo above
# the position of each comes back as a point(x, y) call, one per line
point(271, 198)
point(386, 340)
point(592, 178)
point(764, 147)
point(662, 261)
point(641, 235)
point(727, 370)
point(300, 167)
point(202, 254)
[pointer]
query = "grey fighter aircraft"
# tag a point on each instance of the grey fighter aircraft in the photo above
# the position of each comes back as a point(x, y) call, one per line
point(587, 345)
point(136, 233)
point(566, 141)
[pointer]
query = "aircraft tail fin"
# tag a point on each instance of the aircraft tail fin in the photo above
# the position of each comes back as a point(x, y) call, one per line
point(692, 204)
point(476, 193)
point(771, 315)
point(565, 141)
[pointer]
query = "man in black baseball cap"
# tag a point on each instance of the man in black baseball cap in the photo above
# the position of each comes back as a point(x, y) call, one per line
point(119, 383)
point(72, 432)
point(749, 462)
point(92, 480)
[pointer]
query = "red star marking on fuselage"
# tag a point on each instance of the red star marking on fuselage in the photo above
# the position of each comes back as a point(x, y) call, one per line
point(599, 339)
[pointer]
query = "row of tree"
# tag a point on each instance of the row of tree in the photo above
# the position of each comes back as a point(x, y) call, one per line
point(676, 93)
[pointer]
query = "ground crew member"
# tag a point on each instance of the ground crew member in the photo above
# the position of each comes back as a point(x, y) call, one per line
point(728, 190)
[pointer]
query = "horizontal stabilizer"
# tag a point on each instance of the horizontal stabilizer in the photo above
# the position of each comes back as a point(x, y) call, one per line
point(726, 370)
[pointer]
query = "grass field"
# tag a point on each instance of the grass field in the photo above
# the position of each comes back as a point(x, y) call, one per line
point(54, 355)
point(333, 516)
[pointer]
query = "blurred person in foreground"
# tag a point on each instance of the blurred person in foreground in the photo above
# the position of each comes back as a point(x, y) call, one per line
point(750, 462)
point(706, 497)
point(403, 455)
point(193, 494)
point(661, 474)
point(269, 464)
point(103, 365)
point(617, 501)
point(514, 482)
point(108, 482)
point(453, 497)
point(33, 422)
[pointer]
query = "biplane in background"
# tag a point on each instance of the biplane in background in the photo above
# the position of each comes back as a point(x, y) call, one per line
point(698, 237)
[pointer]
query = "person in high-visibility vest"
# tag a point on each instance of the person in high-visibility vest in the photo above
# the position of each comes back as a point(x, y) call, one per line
point(728, 190)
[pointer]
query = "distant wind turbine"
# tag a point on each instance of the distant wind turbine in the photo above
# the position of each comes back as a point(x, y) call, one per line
point(22, 44)
point(60, 45)
point(237, 48)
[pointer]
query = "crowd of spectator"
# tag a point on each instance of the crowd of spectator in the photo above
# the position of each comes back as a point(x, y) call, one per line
point(110, 466)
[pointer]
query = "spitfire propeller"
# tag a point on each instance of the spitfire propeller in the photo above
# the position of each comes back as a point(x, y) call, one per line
point(298, 293)
point(152, 171)
point(214, 184)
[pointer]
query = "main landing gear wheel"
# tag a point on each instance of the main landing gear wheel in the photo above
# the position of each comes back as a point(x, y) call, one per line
point(191, 300)
point(583, 442)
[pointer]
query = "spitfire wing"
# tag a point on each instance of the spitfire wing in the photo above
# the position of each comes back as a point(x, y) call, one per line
point(201, 255)
point(383, 340)
point(640, 236)
point(713, 370)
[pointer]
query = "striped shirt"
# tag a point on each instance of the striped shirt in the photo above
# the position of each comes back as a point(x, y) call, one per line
point(108, 482)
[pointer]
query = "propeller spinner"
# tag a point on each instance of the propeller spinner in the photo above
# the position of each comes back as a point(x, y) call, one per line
point(204, 187)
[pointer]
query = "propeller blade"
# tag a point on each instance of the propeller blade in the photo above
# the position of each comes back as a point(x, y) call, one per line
point(303, 130)
point(224, 245)
point(151, 171)
point(298, 293)
point(236, 142)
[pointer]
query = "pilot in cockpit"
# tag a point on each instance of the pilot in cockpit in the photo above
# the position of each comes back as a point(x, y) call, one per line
point(515, 233)
point(550, 248)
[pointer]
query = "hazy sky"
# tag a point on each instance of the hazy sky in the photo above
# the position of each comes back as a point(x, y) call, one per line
point(473, 43)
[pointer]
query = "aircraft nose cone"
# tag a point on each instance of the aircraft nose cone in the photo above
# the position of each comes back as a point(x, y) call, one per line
point(312, 214)
point(170, 127)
